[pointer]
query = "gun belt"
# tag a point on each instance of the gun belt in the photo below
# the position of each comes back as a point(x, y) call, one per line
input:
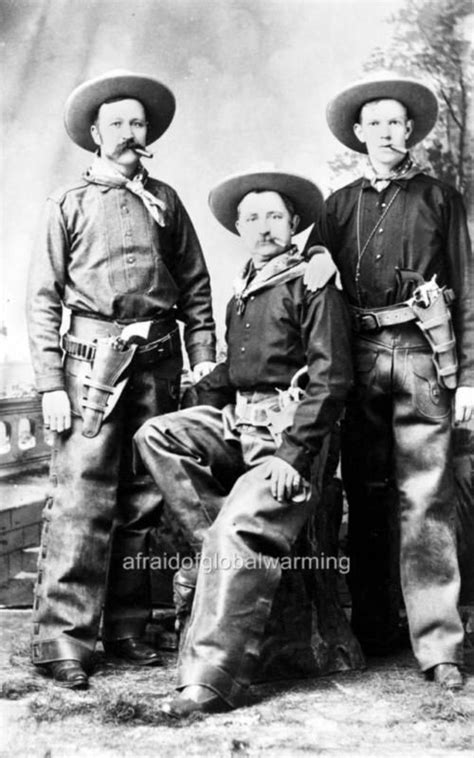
point(366, 320)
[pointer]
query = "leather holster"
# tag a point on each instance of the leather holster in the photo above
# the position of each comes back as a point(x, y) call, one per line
point(107, 380)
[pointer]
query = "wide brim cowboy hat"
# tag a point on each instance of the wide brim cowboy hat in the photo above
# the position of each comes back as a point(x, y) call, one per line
point(83, 103)
point(225, 197)
point(418, 98)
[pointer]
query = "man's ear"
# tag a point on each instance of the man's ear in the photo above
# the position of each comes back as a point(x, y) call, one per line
point(359, 132)
point(408, 128)
point(96, 135)
point(295, 222)
point(237, 225)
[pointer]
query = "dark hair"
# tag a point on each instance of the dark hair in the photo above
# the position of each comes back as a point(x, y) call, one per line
point(287, 202)
point(378, 100)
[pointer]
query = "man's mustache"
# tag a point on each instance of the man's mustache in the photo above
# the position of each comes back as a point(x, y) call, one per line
point(130, 144)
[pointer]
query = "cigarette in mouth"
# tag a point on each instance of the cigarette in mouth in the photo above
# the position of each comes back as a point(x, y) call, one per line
point(397, 150)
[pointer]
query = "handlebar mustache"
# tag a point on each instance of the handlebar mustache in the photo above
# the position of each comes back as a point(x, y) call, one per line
point(138, 149)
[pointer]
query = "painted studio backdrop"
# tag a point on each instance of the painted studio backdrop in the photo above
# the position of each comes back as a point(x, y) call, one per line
point(251, 80)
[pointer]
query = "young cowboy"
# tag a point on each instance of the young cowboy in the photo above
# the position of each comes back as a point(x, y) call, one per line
point(119, 252)
point(248, 464)
point(390, 231)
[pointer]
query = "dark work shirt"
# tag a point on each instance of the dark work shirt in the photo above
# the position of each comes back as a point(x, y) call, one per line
point(424, 230)
point(281, 329)
point(101, 252)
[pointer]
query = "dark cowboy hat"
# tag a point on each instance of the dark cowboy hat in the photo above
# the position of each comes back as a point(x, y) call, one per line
point(304, 194)
point(83, 103)
point(419, 100)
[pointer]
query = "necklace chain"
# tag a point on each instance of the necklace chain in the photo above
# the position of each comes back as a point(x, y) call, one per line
point(360, 252)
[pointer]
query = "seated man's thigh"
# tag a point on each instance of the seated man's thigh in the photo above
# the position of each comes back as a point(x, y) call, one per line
point(197, 432)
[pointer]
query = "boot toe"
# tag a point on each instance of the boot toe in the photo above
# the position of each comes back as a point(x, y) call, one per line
point(68, 673)
point(133, 650)
point(448, 676)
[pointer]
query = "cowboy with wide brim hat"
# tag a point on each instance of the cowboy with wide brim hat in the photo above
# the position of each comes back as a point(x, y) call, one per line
point(419, 99)
point(83, 103)
point(307, 198)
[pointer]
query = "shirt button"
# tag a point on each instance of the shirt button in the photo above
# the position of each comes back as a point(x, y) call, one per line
point(242, 349)
point(131, 259)
point(384, 205)
point(247, 326)
point(252, 297)
point(378, 257)
point(380, 231)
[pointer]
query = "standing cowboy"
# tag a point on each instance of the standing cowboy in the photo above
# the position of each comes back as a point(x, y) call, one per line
point(249, 463)
point(119, 252)
point(390, 232)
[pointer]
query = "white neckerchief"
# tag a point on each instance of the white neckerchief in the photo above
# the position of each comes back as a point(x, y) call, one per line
point(102, 172)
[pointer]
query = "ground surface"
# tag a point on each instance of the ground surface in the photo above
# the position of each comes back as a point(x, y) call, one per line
point(387, 710)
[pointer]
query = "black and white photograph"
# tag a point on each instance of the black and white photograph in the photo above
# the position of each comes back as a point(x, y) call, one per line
point(236, 378)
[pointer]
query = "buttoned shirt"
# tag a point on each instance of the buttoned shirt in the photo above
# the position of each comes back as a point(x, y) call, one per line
point(424, 230)
point(280, 329)
point(100, 252)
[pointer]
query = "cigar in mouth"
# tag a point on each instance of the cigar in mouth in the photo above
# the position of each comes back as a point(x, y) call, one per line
point(397, 150)
point(141, 151)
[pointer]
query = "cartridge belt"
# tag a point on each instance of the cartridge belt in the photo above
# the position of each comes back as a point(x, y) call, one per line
point(80, 341)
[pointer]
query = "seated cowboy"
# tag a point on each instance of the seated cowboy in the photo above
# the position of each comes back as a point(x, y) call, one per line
point(243, 458)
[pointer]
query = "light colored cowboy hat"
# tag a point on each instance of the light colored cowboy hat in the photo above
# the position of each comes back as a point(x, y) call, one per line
point(305, 195)
point(82, 104)
point(419, 99)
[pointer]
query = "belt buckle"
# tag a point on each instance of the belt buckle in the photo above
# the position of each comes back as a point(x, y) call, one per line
point(368, 321)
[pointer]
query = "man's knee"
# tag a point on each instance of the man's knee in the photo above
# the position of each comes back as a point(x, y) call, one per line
point(157, 433)
point(250, 515)
point(148, 433)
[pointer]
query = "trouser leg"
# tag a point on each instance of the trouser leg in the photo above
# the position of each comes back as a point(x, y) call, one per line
point(85, 499)
point(463, 450)
point(74, 549)
point(127, 606)
point(193, 465)
point(238, 576)
point(368, 476)
point(428, 556)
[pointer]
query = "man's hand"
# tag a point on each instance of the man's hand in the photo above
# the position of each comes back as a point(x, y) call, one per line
point(201, 370)
point(56, 411)
point(320, 268)
point(463, 404)
point(285, 481)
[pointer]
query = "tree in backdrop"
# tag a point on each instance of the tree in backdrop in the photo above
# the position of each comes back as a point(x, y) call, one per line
point(431, 40)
